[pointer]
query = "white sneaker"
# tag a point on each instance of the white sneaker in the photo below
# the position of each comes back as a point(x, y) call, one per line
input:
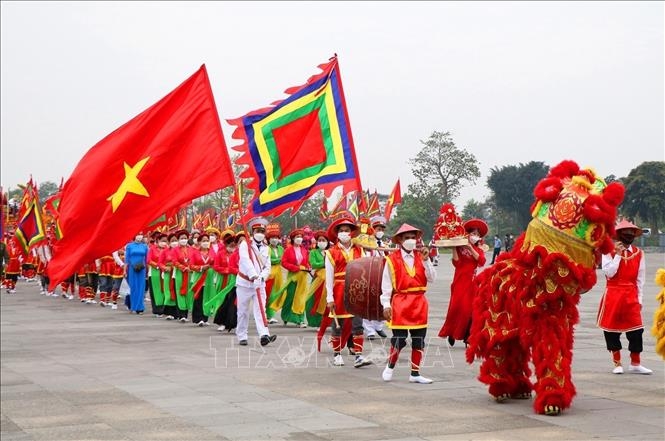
point(52, 294)
point(360, 362)
point(71, 296)
point(272, 321)
point(618, 370)
point(338, 360)
point(183, 320)
point(221, 328)
point(302, 325)
point(419, 379)
point(102, 304)
point(114, 306)
point(387, 374)
point(206, 324)
point(169, 317)
point(639, 369)
point(200, 323)
point(42, 292)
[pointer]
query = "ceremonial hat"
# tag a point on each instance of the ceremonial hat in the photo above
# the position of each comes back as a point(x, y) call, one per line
point(296, 232)
point(320, 233)
point(344, 220)
point(226, 233)
point(625, 225)
point(478, 224)
point(273, 230)
point(378, 220)
point(211, 230)
point(406, 228)
point(181, 232)
point(257, 222)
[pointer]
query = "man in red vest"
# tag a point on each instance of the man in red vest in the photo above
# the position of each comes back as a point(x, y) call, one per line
point(621, 305)
point(405, 277)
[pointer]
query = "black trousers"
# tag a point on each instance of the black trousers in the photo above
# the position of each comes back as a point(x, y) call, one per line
point(197, 309)
point(227, 313)
point(398, 340)
point(634, 340)
point(157, 310)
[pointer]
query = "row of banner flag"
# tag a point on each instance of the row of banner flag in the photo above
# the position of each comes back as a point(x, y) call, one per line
point(143, 174)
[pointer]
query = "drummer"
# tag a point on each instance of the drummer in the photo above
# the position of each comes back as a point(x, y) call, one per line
point(344, 324)
point(376, 327)
point(405, 277)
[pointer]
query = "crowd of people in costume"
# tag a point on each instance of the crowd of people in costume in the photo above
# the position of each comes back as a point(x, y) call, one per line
point(230, 278)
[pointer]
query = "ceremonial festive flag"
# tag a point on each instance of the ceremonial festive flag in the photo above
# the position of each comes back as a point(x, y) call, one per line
point(30, 230)
point(373, 208)
point(299, 146)
point(169, 154)
point(394, 199)
point(323, 211)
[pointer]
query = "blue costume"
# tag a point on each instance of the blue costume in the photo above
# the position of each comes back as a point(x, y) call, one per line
point(136, 257)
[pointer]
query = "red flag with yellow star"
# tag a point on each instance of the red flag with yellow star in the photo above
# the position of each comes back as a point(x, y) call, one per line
point(169, 154)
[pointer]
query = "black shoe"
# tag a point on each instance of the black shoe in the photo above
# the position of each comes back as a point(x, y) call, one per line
point(242, 342)
point(265, 339)
point(382, 334)
point(451, 341)
point(371, 337)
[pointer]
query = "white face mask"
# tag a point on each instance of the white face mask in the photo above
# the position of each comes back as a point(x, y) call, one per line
point(139, 237)
point(473, 238)
point(259, 237)
point(195, 240)
point(297, 241)
point(230, 249)
point(174, 244)
point(379, 234)
point(274, 241)
point(182, 242)
point(322, 245)
point(163, 244)
point(344, 236)
point(213, 239)
point(205, 245)
point(409, 244)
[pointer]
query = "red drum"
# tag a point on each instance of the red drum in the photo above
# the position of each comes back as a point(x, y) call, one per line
point(362, 287)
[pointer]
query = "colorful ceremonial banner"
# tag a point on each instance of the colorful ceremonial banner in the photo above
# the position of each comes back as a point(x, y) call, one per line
point(394, 199)
point(299, 146)
point(373, 208)
point(30, 230)
point(169, 154)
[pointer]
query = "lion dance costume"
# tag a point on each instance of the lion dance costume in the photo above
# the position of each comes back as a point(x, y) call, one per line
point(526, 304)
point(658, 329)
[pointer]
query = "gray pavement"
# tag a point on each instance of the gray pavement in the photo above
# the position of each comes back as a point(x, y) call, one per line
point(71, 371)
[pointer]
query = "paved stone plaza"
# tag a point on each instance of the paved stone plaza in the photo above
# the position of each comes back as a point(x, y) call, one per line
point(72, 371)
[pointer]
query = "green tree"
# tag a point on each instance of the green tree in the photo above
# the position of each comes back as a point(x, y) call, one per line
point(442, 168)
point(645, 194)
point(475, 209)
point(46, 189)
point(512, 190)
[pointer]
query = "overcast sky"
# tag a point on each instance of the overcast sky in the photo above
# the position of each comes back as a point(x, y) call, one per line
point(512, 82)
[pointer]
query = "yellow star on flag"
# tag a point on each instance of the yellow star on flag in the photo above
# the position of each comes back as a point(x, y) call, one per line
point(130, 184)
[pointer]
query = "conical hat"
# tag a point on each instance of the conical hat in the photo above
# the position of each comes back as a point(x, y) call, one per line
point(405, 228)
point(624, 225)
point(344, 220)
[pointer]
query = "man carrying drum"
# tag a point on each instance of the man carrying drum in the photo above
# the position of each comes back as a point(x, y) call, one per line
point(340, 231)
point(403, 287)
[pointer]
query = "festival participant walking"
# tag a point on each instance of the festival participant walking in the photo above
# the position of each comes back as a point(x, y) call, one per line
point(276, 279)
point(13, 268)
point(223, 304)
point(403, 286)
point(497, 248)
point(343, 324)
point(155, 281)
point(292, 297)
point(203, 278)
point(254, 269)
point(620, 307)
point(167, 260)
point(315, 305)
point(136, 254)
point(182, 259)
point(466, 259)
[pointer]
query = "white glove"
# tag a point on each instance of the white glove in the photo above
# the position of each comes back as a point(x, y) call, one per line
point(258, 282)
